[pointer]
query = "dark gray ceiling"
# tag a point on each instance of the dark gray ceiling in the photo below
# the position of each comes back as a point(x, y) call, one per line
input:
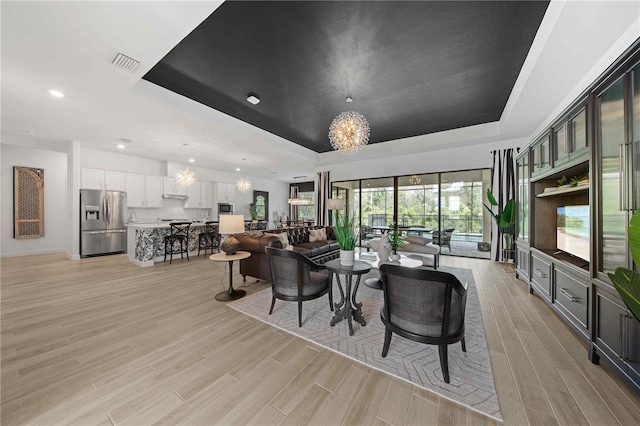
point(412, 67)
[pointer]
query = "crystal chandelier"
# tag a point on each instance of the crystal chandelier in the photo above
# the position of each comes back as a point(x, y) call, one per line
point(299, 201)
point(243, 185)
point(349, 132)
point(185, 177)
point(414, 180)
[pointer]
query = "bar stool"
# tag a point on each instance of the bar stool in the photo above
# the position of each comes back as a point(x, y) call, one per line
point(179, 234)
point(209, 239)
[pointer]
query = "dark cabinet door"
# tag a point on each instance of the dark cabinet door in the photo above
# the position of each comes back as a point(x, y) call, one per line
point(612, 202)
point(611, 316)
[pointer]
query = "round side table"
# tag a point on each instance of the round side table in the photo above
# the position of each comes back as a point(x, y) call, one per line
point(231, 293)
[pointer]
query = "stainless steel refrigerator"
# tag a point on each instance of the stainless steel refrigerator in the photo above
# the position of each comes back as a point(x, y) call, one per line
point(102, 222)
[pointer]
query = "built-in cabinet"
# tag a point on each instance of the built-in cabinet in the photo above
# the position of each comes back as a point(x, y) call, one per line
point(170, 186)
point(226, 192)
point(597, 141)
point(102, 179)
point(143, 191)
point(200, 195)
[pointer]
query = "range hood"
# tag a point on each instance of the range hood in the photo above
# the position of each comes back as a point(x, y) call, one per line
point(176, 196)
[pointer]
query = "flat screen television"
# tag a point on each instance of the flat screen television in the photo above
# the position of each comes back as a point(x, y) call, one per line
point(573, 231)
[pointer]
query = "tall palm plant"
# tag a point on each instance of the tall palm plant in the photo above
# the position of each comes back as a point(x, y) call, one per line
point(505, 218)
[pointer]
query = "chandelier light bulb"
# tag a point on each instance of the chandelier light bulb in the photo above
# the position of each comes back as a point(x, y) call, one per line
point(349, 132)
point(185, 177)
point(414, 180)
point(243, 185)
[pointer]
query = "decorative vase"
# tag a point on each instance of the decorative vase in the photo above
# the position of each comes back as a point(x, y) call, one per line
point(394, 257)
point(384, 247)
point(347, 257)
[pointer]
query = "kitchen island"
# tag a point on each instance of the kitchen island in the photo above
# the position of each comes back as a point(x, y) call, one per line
point(145, 241)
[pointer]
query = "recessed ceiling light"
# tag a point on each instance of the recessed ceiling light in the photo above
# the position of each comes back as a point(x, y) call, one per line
point(191, 160)
point(56, 93)
point(237, 169)
point(253, 98)
point(121, 146)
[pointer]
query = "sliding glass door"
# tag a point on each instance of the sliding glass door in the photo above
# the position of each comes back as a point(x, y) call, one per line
point(445, 207)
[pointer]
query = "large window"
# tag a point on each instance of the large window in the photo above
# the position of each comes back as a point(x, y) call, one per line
point(427, 205)
point(308, 211)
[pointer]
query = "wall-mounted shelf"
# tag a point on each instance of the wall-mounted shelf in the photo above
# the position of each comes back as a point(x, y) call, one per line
point(579, 188)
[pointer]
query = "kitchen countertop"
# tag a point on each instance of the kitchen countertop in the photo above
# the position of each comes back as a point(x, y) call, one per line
point(152, 225)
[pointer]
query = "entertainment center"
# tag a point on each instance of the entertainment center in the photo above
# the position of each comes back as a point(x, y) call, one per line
point(578, 185)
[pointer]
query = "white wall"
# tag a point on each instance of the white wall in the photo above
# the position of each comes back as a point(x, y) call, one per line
point(430, 161)
point(55, 168)
point(93, 159)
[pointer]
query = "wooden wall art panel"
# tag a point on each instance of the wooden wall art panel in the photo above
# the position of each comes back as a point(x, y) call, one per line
point(28, 202)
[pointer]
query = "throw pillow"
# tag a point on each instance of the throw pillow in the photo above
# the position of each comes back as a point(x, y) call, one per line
point(317, 235)
point(284, 238)
point(417, 240)
point(289, 247)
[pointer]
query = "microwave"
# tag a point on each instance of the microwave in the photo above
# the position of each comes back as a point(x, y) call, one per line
point(225, 208)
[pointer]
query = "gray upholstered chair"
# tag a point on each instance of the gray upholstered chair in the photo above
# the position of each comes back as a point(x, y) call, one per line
point(295, 277)
point(424, 306)
point(443, 238)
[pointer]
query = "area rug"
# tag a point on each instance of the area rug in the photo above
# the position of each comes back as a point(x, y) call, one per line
point(470, 372)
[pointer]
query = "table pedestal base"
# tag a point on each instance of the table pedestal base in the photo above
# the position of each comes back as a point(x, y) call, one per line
point(373, 283)
point(225, 296)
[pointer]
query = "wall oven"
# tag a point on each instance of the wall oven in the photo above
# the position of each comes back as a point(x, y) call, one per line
point(225, 208)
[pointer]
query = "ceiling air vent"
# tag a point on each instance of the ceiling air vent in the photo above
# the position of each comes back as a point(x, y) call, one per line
point(125, 62)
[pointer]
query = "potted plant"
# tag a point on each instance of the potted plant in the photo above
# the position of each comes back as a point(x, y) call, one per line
point(505, 219)
point(626, 281)
point(347, 238)
point(253, 212)
point(395, 240)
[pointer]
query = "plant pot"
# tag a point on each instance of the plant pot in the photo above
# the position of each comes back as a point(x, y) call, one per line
point(347, 257)
point(394, 257)
point(508, 242)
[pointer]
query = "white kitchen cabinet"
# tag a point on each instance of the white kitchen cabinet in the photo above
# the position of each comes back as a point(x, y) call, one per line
point(143, 191)
point(169, 186)
point(226, 191)
point(103, 179)
point(200, 196)
point(206, 195)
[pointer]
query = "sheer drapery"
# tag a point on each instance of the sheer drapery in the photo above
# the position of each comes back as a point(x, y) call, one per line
point(503, 187)
point(323, 191)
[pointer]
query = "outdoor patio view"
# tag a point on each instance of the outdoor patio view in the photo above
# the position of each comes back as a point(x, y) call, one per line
point(446, 207)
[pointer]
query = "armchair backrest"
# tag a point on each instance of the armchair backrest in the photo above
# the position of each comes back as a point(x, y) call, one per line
point(423, 302)
point(289, 270)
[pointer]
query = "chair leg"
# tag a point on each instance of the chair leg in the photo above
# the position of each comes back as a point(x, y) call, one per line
point(273, 302)
point(299, 313)
point(165, 251)
point(464, 344)
point(186, 248)
point(444, 361)
point(387, 342)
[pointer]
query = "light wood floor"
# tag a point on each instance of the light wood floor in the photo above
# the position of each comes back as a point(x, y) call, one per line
point(101, 341)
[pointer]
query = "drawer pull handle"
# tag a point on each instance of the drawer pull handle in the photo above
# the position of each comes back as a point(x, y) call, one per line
point(569, 296)
point(539, 273)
